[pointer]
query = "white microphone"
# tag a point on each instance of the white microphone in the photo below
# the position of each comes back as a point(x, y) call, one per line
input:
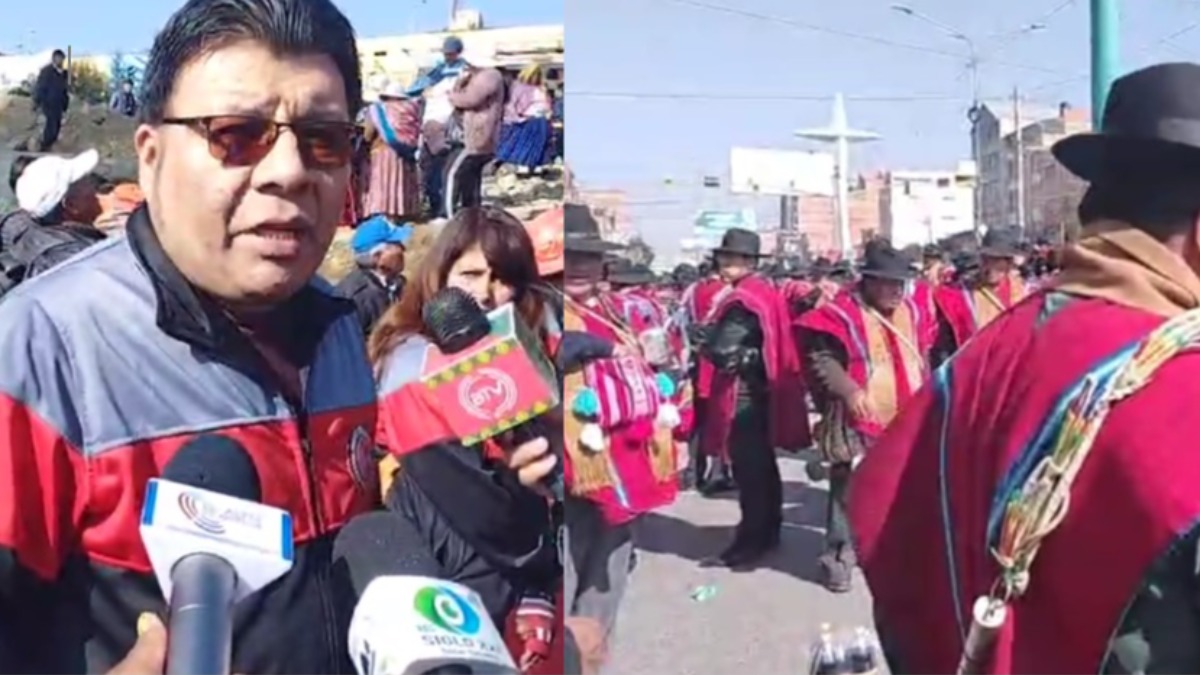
point(211, 544)
point(408, 621)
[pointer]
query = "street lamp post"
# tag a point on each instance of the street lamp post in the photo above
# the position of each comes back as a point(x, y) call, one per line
point(973, 68)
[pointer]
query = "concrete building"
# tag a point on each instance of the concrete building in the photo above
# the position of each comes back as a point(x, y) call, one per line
point(1051, 192)
point(922, 207)
point(816, 216)
point(611, 210)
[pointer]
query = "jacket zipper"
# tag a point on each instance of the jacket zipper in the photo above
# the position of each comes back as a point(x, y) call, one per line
point(314, 506)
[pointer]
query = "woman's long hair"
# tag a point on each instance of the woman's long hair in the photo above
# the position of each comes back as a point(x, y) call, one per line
point(508, 250)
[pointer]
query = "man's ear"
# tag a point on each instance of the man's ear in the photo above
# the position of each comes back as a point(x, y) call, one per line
point(147, 144)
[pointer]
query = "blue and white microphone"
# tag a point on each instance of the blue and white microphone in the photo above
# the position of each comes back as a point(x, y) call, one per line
point(211, 544)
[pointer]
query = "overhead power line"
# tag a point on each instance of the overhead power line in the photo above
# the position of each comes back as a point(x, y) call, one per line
point(1167, 40)
point(854, 35)
point(1042, 20)
point(737, 96)
point(731, 96)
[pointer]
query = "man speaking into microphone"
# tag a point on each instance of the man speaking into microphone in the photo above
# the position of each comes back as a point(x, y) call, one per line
point(206, 318)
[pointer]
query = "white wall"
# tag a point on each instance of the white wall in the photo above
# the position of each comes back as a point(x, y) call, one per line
point(928, 205)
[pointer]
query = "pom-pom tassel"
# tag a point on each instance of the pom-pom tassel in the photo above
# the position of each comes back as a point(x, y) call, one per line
point(586, 403)
point(666, 386)
point(668, 416)
point(591, 436)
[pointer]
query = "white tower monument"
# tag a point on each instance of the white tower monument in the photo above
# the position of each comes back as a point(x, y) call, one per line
point(839, 133)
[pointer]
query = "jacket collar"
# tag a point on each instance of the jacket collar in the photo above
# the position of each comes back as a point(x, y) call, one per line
point(187, 315)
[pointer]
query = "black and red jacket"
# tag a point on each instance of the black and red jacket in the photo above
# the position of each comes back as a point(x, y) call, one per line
point(108, 364)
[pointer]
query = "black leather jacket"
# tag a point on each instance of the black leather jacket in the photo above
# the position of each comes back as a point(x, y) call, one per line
point(734, 345)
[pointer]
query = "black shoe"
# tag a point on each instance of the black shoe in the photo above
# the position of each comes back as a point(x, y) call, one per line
point(716, 486)
point(743, 553)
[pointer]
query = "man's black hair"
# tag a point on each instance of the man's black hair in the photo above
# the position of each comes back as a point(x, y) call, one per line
point(1159, 204)
point(58, 54)
point(17, 168)
point(287, 27)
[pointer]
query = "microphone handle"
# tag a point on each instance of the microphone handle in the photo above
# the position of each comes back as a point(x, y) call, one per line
point(200, 630)
point(535, 429)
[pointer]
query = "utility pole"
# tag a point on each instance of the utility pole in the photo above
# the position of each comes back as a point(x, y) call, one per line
point(1104, 55)
point(1020, 148)
point(973, 118)
point(453, 13)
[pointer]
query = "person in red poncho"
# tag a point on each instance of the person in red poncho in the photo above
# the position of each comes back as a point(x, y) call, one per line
point(1042, 496)
point(976, 299)
point(864, 356)
point(709, 475)
point(757, 399)
point(620, 460)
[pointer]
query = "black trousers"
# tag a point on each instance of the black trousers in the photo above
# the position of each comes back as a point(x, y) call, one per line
point(465, 186)
point(50, 130)
point(760, 487)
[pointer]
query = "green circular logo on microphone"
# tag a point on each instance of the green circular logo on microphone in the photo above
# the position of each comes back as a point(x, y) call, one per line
point(447, 610)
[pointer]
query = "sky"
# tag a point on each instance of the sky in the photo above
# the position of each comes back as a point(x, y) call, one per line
point(661, 89)
point(106, 26)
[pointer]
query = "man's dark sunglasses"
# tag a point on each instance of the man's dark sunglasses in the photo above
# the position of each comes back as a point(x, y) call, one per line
point(243, 140)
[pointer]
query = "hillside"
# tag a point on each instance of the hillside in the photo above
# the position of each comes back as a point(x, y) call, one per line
point(112, 136)
point(86, 127)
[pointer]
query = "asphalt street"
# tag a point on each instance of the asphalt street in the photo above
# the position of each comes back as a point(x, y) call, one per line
point(758, 621)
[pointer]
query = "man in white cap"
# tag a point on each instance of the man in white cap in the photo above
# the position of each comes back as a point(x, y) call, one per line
point(58, 205)
point(57, 189)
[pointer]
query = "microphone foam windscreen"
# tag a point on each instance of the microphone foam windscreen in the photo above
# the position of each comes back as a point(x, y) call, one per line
point(454, 320)
point(216, 463)
point(382, 544)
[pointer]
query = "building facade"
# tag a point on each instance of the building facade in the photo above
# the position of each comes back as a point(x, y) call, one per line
point(923, 207)
point(1051, 193)
point(611, 210)
point(816, 216)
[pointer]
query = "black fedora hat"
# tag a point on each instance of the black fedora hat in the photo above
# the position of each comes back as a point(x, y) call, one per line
point(1151, 123)
point(581, 232)
point(1001, 242)
point(841, 269)
point(627, 273)
point(882, 261)
point(737, 241)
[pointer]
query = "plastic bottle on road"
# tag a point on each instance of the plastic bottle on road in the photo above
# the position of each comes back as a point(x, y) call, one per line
point(828, 657)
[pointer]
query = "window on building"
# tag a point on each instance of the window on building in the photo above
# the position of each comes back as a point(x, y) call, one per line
point(907, 189)
point(943, 182)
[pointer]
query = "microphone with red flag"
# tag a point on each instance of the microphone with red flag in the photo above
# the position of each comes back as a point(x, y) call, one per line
point(479, 375)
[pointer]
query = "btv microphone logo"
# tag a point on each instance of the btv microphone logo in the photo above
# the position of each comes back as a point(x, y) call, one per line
point(488, 394)
point(447, 610)
point(201, 514)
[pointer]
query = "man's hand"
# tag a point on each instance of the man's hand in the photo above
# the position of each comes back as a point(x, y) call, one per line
point(149, 653)
point(861, 408)
point(532, 461)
